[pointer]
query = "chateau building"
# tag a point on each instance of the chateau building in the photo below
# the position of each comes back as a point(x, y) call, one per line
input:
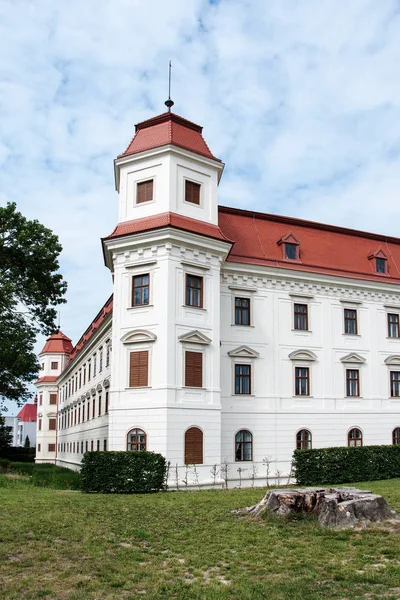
point(231, 338)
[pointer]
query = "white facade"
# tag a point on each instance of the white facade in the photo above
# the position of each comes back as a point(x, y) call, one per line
point(166, 328)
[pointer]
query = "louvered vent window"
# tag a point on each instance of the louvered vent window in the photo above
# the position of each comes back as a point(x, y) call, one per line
point(144, 191)
point(192, 192)
point(194, 446)
point(139, 368)
point(193, 369)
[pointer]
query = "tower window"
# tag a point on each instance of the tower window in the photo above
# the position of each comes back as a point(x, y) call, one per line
point(140, 290)
point(243, 445)
point(194, 291)
point(144, 191)
point(395, 384)
point(243, 379)
point(352, 382)
point(192, 192)
point(393, 325)
point(136, 440)
point(302, 383)
point(242, 311)
point(194, 446)
point(54, 366)
point(380, 264)
point(193, 369)
point(350, 321)
point(301, 316)
point(138, 369)
point(290, 251)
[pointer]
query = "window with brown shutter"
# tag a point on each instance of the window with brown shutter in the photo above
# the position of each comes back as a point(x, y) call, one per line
point(144, 191)
point(54, 366)
point(194, 446)
point(53, 398)
point(139, 369)
point(52, 424)
point(52, 447)
point(193, 369)
point(192, 192)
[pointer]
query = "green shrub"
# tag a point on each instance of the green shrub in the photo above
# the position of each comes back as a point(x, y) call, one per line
point(123, 472)
point(22, 468)
point(4, 465)
point(345, 465)
point(16, 454)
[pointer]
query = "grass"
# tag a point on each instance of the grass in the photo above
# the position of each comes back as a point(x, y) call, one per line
point(187, 545)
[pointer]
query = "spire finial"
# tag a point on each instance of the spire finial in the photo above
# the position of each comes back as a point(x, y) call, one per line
point(169, 103)
point(59, 320)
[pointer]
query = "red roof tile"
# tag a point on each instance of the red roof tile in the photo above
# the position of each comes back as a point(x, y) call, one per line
point(323, 248)
point(165, 129)
point(167, 219)
point(58, 343)
point(28, 413)
point(94, 325)
point(46, 379)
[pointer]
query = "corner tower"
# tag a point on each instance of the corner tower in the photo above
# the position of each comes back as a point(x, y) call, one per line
point(165, 255)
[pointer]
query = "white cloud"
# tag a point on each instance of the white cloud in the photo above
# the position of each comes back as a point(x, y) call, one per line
point(301, 100)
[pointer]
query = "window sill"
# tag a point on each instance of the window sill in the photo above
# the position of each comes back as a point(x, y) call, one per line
point(302, 396)
point(246, 326)
point(302, 330)
point(194, 307)
point(140, 306)
point(243, 395)
point(390, 337)
point(193, 387)
point(142, 387)
point(352, 334)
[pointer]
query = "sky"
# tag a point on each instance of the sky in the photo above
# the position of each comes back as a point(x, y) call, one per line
point(299, 98)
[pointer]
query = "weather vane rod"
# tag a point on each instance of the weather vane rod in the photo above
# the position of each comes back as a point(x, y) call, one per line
point(169, 103)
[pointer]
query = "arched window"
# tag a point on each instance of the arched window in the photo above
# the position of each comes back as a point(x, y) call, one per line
point(303, 440)
point(396, 436)
point(354, 437)
point(243, 445)
point(136, 440)
point(194, 446)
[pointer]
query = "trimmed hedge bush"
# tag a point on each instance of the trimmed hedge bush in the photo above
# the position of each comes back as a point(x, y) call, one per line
point(346, 465)
point(123, 472)
point(16, 454)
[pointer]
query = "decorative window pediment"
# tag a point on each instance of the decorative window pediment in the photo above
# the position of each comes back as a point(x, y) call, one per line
point(106, 383)
point(378, 254)
point(302, 355)
point(289, 238)
point(353, 358)
point(244, 351)
point(195, 337)
point(393, 359)
point(93, 391)
point(99, 387)
point(138, 335)
point(88, 394)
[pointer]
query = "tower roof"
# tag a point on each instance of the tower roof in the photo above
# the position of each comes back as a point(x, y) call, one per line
point(28, 413)
point(58, 343)
point(168, 128)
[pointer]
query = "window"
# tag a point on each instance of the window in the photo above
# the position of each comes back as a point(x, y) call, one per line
point(88, 370)
point(106, 406)
point(380, 265)
point(193, 369)
point(393, 325)
point(192, 192)
point(144, 191)
point(91, 446)
point(54, 366)
point(94, 364)
point(86, 446)
point(303, 440)
point(42, 367)
point(138, 369)
point(79, 414)
point(302, 384)
point(100, 360)
point(290, 251)
point(84, 374)
point(194, 446)
point(395, 384)
point(243, 445)
point(98, 446)
point(82, 447)
point(242, 379)
point(99, 407)
point(73, 448)
point(350, 321)
point(88, 411)
point(301, 316)
point(354, 438)
point(194, 291)
point(52, 447)
point(352, 382)
point(53, 398)
point(52, 424)
point(242, 311)
point(140, 290)
point(40, 399)
point(93, 408)
point(136, 440)
point(39, 447)
point(396, 436)
point(105, 446)
point(108, 351)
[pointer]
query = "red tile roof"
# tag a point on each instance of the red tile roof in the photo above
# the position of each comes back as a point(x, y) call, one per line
point(28, 413)
point(46, 379)
point(323, 248)
point(167, 219)
point(165, 129)
point(94, 325)
point(58, 343)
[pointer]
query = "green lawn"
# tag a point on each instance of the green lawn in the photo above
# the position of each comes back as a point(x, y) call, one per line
point(186, 545)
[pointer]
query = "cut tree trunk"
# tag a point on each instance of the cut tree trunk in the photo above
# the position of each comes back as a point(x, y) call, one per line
point(334, 507)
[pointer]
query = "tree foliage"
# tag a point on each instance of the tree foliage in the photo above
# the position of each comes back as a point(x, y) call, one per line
point(6, 437)
point(30, 288)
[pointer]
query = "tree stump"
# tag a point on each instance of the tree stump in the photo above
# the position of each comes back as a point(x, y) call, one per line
point(334, 507)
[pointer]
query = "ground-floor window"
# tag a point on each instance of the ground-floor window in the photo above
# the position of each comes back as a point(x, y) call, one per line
point(396, 436)
point(194, 446)
point(303, 440)
point(243, 445)
point(136, 440)
point(355, 437)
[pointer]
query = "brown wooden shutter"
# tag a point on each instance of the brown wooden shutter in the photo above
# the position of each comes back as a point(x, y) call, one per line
point(139, 369)
point(193, 369)
point(52, 424)
point(144, 191)
point(53, 398)
point(192, 192)
point(194, 446)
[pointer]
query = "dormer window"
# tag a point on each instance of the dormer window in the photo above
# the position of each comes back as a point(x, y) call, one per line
point(380, 265)
point(144, 191)
point(192, 192)
point(290, 251)
point(290, 246)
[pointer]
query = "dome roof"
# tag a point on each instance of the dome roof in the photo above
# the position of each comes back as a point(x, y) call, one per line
point(58, 343)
